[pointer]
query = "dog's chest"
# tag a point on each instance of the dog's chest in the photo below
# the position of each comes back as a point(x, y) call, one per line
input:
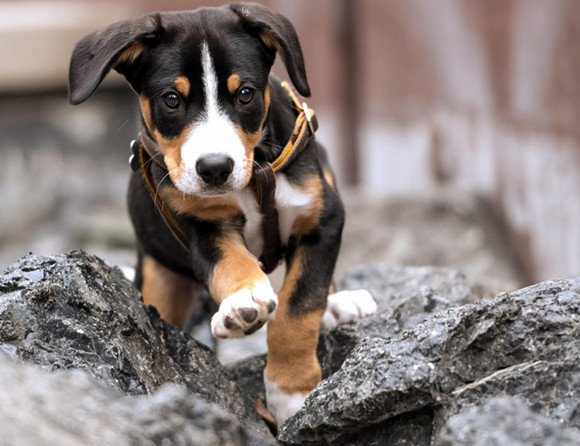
point(291, 202)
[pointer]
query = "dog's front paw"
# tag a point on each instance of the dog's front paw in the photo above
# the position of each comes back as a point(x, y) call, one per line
point(348, 306)
point(244, 312)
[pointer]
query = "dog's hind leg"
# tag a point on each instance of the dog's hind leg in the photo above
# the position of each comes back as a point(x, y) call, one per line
point(172, 294)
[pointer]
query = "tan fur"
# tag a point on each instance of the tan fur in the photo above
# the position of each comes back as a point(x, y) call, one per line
point(132, 53)
point(171, 293)
point(182, 85)
point(331, 289)
point(236, 270)
point(234, 83)
point(210, 209)
point(306, 223)
point(250, 140)
point(329, 177)
point(171, 148)
point(291, 362)
point(271, 42)
point(146, 112)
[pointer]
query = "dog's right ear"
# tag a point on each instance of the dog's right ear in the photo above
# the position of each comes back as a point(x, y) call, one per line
point(117, 46)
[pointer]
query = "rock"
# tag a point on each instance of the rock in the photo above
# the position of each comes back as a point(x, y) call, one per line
point(75, 312)
point(405, 296)
point(505, 421)
point(72, 408)
point(439, 364)
point(506, 345)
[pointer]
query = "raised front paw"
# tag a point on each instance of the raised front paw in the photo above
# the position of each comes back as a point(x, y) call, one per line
point(348, 306)
point(244, 312)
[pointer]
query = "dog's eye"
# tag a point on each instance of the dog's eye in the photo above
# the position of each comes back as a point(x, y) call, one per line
point(245, 96)
point(171, 100)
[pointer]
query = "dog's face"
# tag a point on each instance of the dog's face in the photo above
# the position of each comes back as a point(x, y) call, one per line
point(205, 103)
point(202, 81)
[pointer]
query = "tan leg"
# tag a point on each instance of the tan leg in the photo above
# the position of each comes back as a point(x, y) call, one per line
point(247, 300)
point(170, 293)
point(292, 368)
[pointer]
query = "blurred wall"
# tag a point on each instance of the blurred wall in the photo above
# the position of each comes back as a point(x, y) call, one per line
point(411, 95)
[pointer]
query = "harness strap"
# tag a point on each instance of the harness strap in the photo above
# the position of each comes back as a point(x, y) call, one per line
point(265, 183)
point(140, 150)
point(145, 150)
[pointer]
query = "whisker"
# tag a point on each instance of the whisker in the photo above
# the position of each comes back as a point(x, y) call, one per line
point(159, 185)
point(272, 144)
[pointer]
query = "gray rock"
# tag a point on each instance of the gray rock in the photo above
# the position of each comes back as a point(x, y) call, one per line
point(74, 311)
point(72, 408)
point(405, 297)
point(528, 333)
point(427, 369)
point(505, 421)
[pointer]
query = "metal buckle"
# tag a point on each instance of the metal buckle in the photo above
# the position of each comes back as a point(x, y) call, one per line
point(308, 115)
point(134, 160)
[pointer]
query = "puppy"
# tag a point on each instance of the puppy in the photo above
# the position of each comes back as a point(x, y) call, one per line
point(228, 180)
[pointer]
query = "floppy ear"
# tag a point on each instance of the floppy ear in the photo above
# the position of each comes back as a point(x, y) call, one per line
point(278, 34)
point(117, 46)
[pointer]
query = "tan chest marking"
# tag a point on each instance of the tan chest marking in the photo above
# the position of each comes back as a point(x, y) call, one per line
point(211, 209)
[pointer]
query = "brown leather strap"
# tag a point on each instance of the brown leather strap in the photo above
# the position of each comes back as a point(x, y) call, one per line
point(265, 182)
point(151, 148)
point(164, 211)
point(304, 128)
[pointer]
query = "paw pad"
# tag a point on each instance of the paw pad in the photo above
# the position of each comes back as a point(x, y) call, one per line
point(244, 312)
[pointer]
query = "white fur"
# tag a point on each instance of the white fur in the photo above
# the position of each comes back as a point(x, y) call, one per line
point(215, 133)
point(253, 235)
point(258, 298)
point(290, 202)
point(348, 306)
point(281, 405)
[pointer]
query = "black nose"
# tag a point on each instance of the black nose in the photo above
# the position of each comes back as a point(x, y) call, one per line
point(214, 169)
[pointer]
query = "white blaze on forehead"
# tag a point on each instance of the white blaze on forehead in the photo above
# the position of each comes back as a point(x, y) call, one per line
point(214, 133)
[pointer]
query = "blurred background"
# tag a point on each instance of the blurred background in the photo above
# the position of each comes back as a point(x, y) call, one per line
point(453, 126)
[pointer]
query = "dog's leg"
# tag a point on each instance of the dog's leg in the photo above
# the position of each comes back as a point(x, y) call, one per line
point(242, 290)
point(292, 369)
point(170, 293)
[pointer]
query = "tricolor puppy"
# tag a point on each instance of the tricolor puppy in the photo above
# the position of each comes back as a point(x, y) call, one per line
point(213, 120)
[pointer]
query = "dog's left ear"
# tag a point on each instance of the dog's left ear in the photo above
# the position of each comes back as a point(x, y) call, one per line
point(278, 34)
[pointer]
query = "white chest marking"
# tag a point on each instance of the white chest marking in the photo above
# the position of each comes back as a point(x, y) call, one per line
point(291, 202)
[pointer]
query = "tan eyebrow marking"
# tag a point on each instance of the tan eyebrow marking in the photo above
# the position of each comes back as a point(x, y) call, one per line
point(183, 86)
point(234, 83)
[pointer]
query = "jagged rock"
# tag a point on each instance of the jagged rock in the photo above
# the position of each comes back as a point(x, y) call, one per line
point(405, 296)
point(424, 370)
point(72, 408)
point(74, 311)
point(492, 347)
point(505, 421)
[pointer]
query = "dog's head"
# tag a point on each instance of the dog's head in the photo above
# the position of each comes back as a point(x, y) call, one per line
point(202, 81)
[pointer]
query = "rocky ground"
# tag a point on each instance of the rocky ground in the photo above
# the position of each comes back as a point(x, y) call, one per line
point(448, 360)
point(82, 361)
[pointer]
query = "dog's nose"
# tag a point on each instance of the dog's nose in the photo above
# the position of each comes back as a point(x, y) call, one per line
point(214, 169)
